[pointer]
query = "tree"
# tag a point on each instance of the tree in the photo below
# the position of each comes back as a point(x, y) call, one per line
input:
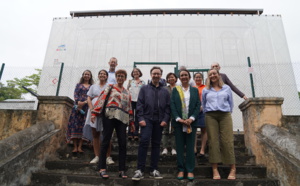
point(7, 92)
point(14, 89)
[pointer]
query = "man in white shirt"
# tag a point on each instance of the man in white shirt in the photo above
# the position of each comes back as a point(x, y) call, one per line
point(113, 63)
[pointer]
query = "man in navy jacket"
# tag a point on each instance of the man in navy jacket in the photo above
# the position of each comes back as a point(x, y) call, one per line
point(153, 112)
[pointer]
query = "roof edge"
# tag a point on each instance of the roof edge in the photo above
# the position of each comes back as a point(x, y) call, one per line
point(164, 11)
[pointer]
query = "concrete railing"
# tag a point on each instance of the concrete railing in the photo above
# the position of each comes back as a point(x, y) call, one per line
point(267, 138)
point(26, 151)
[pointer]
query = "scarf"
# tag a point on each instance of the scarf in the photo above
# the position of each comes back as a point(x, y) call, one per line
point(186, 128)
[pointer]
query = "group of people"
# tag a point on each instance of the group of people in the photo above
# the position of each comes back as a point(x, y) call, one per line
point(176, 110)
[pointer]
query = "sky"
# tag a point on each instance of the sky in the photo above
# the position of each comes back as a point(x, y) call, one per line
point(26, 24)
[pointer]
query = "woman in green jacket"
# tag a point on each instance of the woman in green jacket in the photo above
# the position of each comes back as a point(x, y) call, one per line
point(185, 106)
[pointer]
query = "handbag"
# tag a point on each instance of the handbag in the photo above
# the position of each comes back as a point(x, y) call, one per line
point(102, 114)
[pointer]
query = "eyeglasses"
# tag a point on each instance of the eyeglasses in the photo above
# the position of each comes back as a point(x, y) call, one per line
point(120, 76)
point(156, 74)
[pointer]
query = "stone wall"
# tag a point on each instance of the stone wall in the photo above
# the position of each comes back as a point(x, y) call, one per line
point(26, 152)
point(271, 137)
point(13, 121)
point(56, 109)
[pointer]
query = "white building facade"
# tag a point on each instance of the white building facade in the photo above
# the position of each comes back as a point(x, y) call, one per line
point(194, 38)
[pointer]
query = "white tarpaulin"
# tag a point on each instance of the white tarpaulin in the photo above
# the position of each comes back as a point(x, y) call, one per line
point(191, 40)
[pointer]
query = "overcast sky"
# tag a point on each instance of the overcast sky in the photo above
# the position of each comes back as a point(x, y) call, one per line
point(26, 24)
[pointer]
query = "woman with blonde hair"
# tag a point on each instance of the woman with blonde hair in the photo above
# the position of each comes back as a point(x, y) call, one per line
point(217, 106)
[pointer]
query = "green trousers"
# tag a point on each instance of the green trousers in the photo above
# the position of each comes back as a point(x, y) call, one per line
point(186, 142)
point(220, 137)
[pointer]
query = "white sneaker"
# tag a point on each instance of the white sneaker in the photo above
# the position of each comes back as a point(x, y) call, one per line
point(165, 151)
point(173, 152)
point(109, 161)
point(95, 160)
point(138, 175)
point(155, 174)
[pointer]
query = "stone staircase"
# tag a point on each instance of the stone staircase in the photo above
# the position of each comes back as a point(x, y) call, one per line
point(75, 169)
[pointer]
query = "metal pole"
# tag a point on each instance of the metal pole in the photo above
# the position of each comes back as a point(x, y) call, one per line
point(59, 80)
point(251, 78)
point(2, 69)
point(176, 70)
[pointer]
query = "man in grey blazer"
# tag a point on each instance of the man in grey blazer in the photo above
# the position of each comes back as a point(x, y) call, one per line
point(228, 82)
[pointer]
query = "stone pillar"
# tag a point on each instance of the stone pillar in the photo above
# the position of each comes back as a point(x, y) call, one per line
point(256, 113)
point(56, 109)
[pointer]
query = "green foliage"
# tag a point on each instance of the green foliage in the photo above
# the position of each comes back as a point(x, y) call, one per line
point(14, 89)
point(7, 92)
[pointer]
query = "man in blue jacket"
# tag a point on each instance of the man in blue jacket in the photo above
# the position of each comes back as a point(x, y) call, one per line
point(153, 112)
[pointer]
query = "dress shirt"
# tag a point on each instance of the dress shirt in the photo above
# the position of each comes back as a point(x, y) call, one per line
point(186, 93)
point(217, 100)
point(111, 77)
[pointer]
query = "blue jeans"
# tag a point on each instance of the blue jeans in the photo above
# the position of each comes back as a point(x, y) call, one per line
point(152, 131)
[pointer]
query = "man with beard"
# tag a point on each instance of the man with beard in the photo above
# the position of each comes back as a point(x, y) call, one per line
point(153, 112)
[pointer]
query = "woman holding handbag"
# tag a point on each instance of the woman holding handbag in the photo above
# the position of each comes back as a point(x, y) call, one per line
point(115, 106)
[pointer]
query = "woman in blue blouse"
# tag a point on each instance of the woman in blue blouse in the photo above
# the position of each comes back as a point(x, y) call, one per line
point(217, 105)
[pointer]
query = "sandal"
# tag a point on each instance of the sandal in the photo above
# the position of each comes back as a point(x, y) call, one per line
point(103, 174)
point(230, 177)
point(216, 177)
point(122, 175)
point(201, 155)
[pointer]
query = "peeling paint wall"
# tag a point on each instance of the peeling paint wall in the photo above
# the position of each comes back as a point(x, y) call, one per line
point(13, 121)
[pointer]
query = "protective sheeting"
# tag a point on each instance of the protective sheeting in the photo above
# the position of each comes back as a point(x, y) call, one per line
point(192, 40)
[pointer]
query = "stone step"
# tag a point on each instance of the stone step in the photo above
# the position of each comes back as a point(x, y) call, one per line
point(131, 151)
point(46, 178)
point(134, 150)
point(203, 171)
point(164, 160)
point(238, 140)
